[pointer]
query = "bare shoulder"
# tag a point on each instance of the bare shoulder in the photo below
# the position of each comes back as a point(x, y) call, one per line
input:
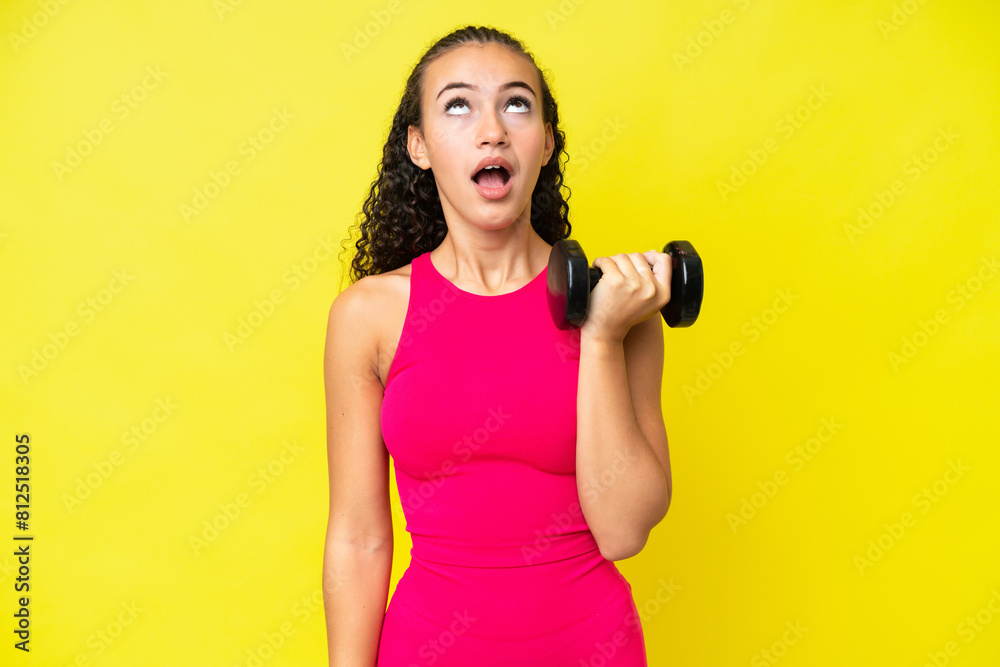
point(375, 307)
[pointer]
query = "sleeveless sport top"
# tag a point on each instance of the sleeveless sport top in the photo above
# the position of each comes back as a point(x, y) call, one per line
point(479, 416)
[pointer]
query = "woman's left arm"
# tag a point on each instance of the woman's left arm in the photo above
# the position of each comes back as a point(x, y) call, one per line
point(622, 458)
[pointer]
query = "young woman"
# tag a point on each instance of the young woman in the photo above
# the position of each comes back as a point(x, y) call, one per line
point(527, 458)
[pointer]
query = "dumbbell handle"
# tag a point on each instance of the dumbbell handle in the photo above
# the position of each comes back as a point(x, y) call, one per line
point(672, 312)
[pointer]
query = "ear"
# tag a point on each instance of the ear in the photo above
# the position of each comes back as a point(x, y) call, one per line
point(550, 143)
point(416, 148)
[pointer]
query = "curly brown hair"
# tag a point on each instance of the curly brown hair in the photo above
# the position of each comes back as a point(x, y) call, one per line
point(402, 217)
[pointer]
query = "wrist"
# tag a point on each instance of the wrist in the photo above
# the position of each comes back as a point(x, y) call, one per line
point(603, 341)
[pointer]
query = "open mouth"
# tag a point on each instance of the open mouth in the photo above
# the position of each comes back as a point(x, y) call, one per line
point(492, 177)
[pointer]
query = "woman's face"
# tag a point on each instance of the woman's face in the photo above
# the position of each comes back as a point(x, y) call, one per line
point(480, 102)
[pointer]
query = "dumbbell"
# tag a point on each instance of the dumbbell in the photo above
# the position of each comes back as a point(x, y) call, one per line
point(571, 279)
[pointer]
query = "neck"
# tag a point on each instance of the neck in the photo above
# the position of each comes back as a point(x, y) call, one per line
point(491, 261)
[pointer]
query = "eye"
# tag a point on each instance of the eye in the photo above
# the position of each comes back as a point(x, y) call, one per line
point(460, 101)
point(521, 105)
point(523, 101)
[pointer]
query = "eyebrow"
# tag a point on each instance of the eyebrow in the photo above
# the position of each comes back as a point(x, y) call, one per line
point(506, 86)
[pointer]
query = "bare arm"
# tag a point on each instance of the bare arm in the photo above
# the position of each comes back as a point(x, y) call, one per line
point(357, 558)
point(623, 459)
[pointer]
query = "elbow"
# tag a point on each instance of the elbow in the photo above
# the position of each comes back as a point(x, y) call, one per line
point(668, 493)
point(664, 504)
point(630, 541)
point(612, 555)
point(623, 549)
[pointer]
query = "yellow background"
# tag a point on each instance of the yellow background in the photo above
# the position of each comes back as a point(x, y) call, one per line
point(669, 99)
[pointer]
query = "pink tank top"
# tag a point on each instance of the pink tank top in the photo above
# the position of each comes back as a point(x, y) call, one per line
point(479, 416)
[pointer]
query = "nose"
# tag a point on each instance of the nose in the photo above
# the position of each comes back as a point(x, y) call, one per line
point(491, 129)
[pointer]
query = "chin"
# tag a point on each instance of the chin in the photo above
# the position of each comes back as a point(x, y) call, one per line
point(502, 215)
